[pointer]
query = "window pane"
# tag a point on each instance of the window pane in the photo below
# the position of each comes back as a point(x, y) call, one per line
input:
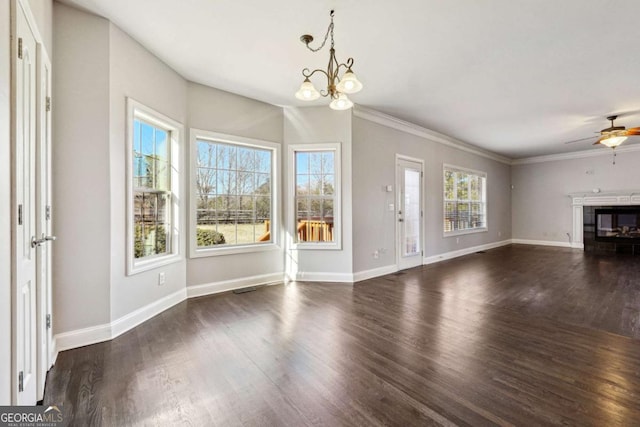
point(327, 211)
point(162, 175)
point(449, 185)
point(302, 185)
point(240, 178)
point(463, 186)
point(246, 183)
point(328, 185)
point(302, 163)
point(146, 135)
point(328, 162)
point(226, 156)
point(161, 144)
point(315, 163)
point(206, 154)
point(315, 185)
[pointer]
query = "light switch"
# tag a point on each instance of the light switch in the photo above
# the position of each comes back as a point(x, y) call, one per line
point(389, 188)
point(392, 207)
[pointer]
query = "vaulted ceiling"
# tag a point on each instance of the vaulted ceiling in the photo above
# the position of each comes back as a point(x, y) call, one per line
point(516, 77)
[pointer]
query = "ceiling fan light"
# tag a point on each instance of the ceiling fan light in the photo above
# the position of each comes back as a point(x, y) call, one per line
point(307, 91)
point(349, 83)
point(614, 141)
point(341, 103)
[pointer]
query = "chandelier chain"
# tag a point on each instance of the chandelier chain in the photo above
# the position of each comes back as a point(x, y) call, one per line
point(326, 36)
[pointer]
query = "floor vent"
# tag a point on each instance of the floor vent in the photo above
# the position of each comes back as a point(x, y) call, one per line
point(243, 290)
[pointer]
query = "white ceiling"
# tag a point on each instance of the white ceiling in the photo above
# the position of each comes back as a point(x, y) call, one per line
point(516, 77)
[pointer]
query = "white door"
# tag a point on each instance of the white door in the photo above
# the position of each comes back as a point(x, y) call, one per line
point(409, 232)
point(43, 219)
point(24, 209)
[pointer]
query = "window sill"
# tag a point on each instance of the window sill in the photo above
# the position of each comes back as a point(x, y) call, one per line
point(146, 265)
point(232, 250)
point(316, 246)
point(463, 232)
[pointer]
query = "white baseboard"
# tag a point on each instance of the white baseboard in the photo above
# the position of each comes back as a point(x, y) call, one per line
point(109, 331)
point(542, 243)
point(577, 245)
point(466, 251)
point(321, 277)
point(133, 319)
point(374, 272)
point(229, 285)
point(82, 337)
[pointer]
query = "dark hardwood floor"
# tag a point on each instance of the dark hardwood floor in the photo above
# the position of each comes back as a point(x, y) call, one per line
point(519, 335)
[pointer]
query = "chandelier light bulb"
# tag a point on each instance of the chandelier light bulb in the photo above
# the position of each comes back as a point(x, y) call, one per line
point(349, 83)
point(307, 91)
point(341, 103)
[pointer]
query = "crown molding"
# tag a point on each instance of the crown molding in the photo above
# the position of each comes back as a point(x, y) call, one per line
point(404, 126)
point(574, 155)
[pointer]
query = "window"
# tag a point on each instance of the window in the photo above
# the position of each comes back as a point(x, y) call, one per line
point(316, 189)
point(465, 200)
point(233, 194)
point(153, 203)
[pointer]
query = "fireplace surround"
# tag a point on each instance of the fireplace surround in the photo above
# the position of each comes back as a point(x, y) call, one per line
point(607, 223)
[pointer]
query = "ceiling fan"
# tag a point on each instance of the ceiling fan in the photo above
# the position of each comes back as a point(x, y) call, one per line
point(612, 136)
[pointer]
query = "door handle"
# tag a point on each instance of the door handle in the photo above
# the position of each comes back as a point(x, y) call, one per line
point(37, 242)
point(400, 220)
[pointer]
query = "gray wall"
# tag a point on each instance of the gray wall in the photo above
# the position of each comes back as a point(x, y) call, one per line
point(218, 111)
point(541, 205)
point(81, 191)
point(317, 125)
point(136, 73)
point(374, 149)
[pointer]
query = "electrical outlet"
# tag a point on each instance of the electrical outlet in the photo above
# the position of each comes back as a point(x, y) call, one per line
point(376, 254)
point(457, 240)
point(161, 279)
point(499, 233)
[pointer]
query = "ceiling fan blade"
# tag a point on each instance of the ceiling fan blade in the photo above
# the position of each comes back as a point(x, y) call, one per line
point(581, 139)
point(632, 131)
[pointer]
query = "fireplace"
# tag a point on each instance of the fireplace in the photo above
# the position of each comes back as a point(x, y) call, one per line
point(612, 229)
point(620, 222)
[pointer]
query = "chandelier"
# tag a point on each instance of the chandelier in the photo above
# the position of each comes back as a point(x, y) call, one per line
point(337, 87)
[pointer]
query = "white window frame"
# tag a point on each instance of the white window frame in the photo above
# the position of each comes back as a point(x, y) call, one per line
point(482, 174)
point(200, 134)
point(135, 110)
point(337, 204)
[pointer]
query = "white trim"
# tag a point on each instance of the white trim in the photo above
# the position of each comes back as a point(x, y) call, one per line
point(404, 126)
point(82, 337)
point(410, 261)
point(466, 251)
point(275, 148)
point(481, 174)
point(374, 272)
point(229, 285)
point(109, 331)
point(589, 198)
point(176, 132)
point(136, 317)
point(337, 197)
point(542, 243)
point(574, 155)
point(307, 276)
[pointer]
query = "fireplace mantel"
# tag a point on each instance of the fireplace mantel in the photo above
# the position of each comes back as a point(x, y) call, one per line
point(591, 198)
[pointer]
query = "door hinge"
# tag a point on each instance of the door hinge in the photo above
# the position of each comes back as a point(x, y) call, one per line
point(47, 212)
point(48, 321)
point(422, 253)
point(21, 381)
point(20, 48)
point(48, 103)
point(421, 214)
point(421, 174)
point(19, 214)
